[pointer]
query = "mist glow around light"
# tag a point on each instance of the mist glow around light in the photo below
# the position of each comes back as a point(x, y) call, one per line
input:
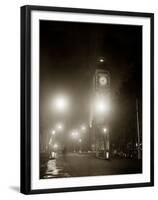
point(102, 106)
point(75, 134)
point(53, 132)
point(55, 146)
point(104, 130)
point(60, 127)
point(83, 128)
point(60, 103)
point(80, 140)
point(101, 60)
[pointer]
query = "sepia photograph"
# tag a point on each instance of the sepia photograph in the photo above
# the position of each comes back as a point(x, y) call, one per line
point(90, 99)
point(87, 99)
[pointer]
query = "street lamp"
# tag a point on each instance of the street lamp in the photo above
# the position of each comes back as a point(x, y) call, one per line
point(54, 153)
point(60, 103)
point(104, 130)
point(106, 142)
point(55, 146)
point(60, 127)
point(101, 60)
point(75, 134)
point(53, 132)
point(80, 141)
point(83, 128)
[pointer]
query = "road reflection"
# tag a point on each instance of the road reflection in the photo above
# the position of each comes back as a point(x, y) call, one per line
point(53, 171)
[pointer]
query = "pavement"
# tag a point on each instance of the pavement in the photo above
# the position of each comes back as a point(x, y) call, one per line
point(84, 164)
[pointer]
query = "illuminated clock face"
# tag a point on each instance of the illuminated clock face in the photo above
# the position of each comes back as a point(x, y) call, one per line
point(103, 80)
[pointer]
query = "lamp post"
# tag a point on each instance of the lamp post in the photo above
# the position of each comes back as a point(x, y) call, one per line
point(60, 105)
point(80, 142)
point(74, 136)
point(51, 142)
point(106, 142)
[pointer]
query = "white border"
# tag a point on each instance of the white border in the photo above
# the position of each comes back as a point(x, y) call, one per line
point(36, 183)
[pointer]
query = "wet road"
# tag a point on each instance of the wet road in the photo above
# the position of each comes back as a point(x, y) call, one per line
point(54, 171)
point(76, 164)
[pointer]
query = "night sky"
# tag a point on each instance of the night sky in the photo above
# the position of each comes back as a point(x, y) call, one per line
point(69, 54)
